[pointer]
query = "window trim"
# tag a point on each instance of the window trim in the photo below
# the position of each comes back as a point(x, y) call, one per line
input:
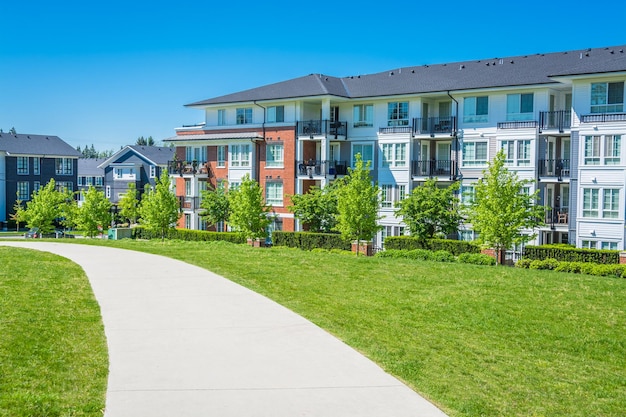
point(475, 117)
point(273, 162)
point(362, 144)
point(397, 113)
point(363, 115)
point(519, 105)
point(274, 187)
point(471, 163)
point(394, 161)
point(606, 106)
point(245, 116)
point(22, 163)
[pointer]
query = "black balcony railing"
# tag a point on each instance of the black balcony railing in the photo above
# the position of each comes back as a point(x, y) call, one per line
point(337, 167)
point(434, 125)
point(557, 216)
point(189, 203)
point(433, 168)
point(559, 120)
point(520, 124)
point(186, 167)
point(558, 168)
point(603, 117)
point(395, 129)
point(314, 128)
point(311, 168)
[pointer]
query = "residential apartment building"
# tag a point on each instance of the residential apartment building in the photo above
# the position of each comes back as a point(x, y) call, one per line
point(137, 164)
point(559, 117)
point(28, 162)
point(89, 175)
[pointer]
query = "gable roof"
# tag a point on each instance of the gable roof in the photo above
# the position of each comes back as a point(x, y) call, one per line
point(156, 155)
point(512, 71)
point(89, 167)
point(24, 144)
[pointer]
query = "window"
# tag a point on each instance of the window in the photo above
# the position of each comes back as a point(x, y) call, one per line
point(195, 153)
point(607, 146)
point(590, 202)
point(22, 165)
point(36, 165)
point(36, 186)
point(398, 113)
point(386, 195)
point(274, 193)
point(108, 191)
point(22, 190)
point(474, 153)
point(394, 154)
point(468, 195)
point(274, 156)
point(239, 155)
point(364, 115)
point(519, 106)
point(63, 166)
point(188, 188)
point(187, 221)
point(476, 109)
point(244, 116)
point(608, 245)
point(64, 186)
point(610, 204)
point(233, 185)
point(153, 171)
point(401, 192)
point(607, 97)
point(88, 181)
point(221, 156)
point(366, 151)
point(99, 181)
point(467, 235)
point(589, 244)
point(124, 173)
point(221, 117)
point(81, 181)
point(276, 114)
point(517, 152)
point(334, 114)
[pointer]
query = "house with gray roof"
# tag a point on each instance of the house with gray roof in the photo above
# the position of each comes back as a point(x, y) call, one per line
point(89, 175)
point(137, 164)
point(28, 162)
point(559, 117)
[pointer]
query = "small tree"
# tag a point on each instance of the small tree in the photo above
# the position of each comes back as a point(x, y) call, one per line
point(18, 214)
point(317, 208)
point(216, 205)
point(358, 201)
point(95, 213)
point(501, 209)
point(248, 212)
point(129, 204)
point(159, 209)
point(44, 208)
point(431, 210)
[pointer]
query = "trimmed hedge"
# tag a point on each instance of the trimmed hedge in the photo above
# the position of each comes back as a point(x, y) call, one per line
point(310, 240)
point(455, 247)
point(189, 235)
point(569, 254)
point(589, 268)
point(477, 259)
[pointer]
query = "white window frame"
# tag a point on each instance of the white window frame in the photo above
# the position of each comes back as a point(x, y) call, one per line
point(276, 114)
point(600, 103)
point(386, 195)
point(221, 117)
point(244, 115)
point(521, 149)
point(221, 156)
point(64, 166)
point(108, 191)
point(467, 196)
point(514, 107)
point(393, 155)
point(602, 150)
point(590, 208)
point(398, 113)
point(239, 155)
point(124, 173)
point(274, 193)
point(610, 208)
point(607, 245)
point(79, 180)
point(153, 171)
point(99, 181)
point(473, 162)
point(23, 190)
point(274, 155)
point(22, 165)
point(362, 145)
point(470, 110)
point(363, 115)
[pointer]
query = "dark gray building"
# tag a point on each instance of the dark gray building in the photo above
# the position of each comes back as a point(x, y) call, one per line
point(28, 162)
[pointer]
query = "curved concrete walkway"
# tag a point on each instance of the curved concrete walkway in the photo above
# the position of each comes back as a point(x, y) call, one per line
point(186, 342)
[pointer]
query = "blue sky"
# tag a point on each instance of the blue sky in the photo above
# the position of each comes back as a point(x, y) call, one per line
point(105, 73)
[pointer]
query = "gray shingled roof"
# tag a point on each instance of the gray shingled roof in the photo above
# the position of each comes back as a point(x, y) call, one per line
point(88, 167)
point(23, 144)
point(160, 155)
point(467, 75)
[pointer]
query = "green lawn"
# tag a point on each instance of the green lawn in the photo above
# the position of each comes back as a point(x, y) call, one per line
point(477, 341)
point(53, 355)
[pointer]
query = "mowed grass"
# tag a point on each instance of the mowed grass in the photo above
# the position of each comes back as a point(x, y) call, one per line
point(476, 341)
point(53, 354)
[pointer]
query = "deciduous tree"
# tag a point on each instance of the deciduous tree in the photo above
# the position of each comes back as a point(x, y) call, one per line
point(94, 215)
point(129, 204)
point(317, 209)
point(216, 205)
point(248, 211)
point(159, 209)
point(431, 210)
point(46, 205)
point(501, 209)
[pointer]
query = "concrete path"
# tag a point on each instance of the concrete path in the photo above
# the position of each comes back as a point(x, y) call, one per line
point(186, 342)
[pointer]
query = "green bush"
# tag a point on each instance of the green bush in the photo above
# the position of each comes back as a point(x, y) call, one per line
point(443, 256)
point(189, 235)
point(310, 240)
point(455, 247)
point(523, 263)
point(420, 254)
point(567, 253)
point(476, 259)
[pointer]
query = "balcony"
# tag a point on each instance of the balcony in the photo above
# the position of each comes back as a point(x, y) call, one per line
point(187, 168)
point(316, 168)
point(434, 168)
point(520, 124)
point(326, 128)
point(395, 129)
point(557, 168)
point(434, 125)
point(555, 120)
point(557, 217)
point(189, 203)
point(603, 117)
